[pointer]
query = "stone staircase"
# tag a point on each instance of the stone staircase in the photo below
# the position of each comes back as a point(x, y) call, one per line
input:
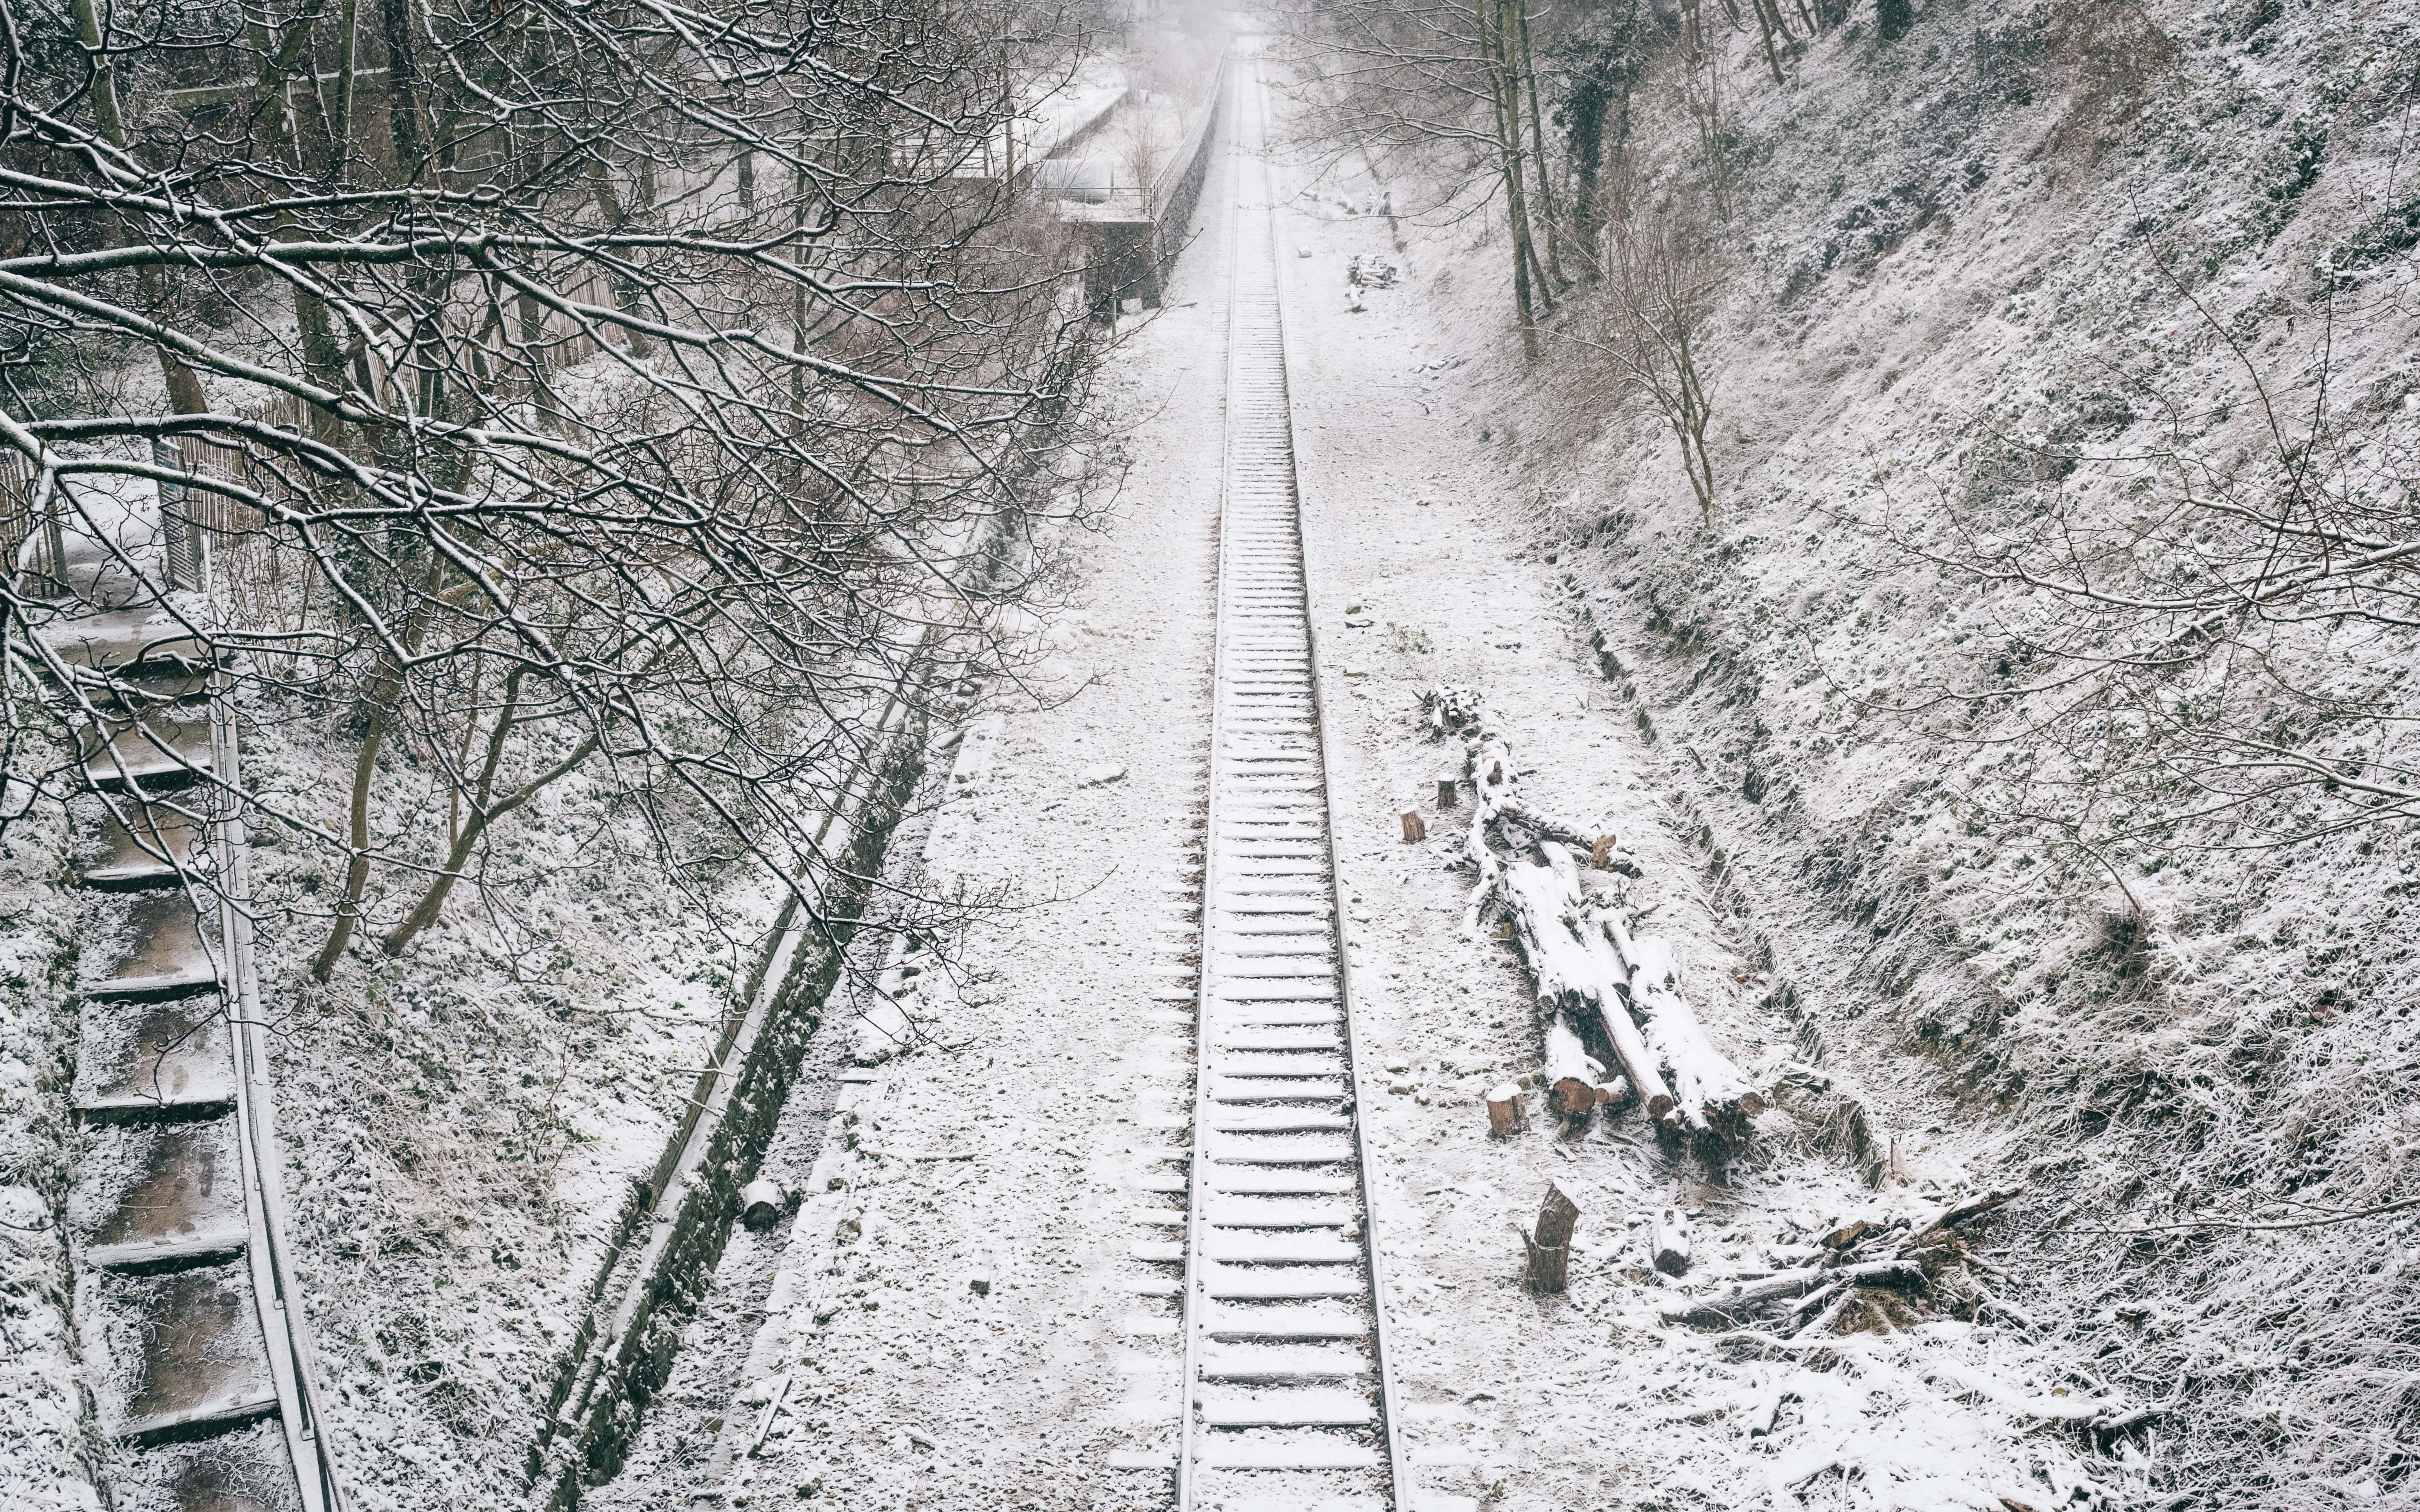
point(199, 1367)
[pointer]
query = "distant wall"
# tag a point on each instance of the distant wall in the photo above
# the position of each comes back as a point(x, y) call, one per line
point(1130, 259)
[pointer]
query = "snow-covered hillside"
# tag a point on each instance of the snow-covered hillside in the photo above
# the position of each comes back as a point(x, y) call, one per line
point(2077, 266)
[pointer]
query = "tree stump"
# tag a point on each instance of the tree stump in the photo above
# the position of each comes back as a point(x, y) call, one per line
point(1415, 827)
point(1673, 1244)
point(1550, 1244)
point(1504, 1112)
point(1448, 792)
point(760, 1203)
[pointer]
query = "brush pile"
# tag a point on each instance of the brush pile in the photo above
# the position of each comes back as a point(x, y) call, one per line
point(1859, 1254)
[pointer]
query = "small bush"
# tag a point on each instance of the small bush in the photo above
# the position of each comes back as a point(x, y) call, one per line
point(2390, 233)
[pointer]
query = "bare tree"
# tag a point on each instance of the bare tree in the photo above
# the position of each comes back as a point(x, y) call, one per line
point(559, 388)
point(1600, 60)
point(1662, 281)
point(2206, 644)
point(1699, 88)
point(1445, 88)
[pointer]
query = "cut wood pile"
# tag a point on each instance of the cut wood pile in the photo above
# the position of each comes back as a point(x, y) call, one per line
point(1603, 988)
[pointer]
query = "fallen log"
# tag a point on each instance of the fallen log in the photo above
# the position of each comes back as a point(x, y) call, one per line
point(1572, 977)
point(1571, 1073)
point(1964, 1210)
point(1742, 1296)
point(1703, 1078)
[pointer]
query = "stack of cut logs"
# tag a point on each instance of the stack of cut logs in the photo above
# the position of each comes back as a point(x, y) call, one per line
point(1595, 975)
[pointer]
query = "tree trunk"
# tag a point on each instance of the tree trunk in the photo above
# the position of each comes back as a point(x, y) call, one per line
point(357, 870)
point(1703, 1078)
point(404, 133)
point(1538, 139)
point(1766, 21)
point(1508, 146)
point(1583, 117)
point(185, 395)
point(432, 900)
point(1570, 1073)
point(340, 115)
point(1567, 966)
point(1504, 1112)
point(378, 698)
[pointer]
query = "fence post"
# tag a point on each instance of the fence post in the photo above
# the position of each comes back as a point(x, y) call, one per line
point(181, 539)
point(46, 564)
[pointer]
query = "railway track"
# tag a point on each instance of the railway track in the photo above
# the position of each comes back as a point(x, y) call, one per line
point(200, 1358)
point(1289, 1395)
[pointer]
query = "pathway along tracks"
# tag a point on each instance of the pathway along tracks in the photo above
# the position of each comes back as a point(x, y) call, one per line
point(201, 1358)
point(1289, 1393)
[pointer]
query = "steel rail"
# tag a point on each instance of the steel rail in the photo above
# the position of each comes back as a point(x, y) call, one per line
point(1269, 768)
point(294, 1363)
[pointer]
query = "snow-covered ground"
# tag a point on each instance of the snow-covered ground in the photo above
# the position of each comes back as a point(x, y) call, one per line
point(972, 1345)
point(46, 1457)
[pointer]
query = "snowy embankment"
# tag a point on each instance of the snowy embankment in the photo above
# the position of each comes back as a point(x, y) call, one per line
point(48, 1459)
point(464, 1124)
